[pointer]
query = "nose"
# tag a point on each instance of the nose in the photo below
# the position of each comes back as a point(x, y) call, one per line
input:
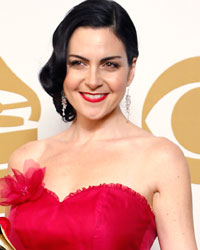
point(93, 80)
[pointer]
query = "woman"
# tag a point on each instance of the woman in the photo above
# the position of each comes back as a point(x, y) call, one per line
point(108, 184)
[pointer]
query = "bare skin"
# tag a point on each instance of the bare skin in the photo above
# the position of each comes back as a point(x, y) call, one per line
point(101, 146)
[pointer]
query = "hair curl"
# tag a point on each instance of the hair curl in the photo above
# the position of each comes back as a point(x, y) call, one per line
point(90, 13)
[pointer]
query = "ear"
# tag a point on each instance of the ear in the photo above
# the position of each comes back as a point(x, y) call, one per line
point(131, 71)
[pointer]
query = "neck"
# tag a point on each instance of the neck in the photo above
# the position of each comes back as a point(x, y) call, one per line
point(112, 126)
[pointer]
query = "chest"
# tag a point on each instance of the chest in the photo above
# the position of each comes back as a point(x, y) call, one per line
point(73, 167)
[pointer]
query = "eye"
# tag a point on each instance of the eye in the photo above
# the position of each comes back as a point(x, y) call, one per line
point(75, 63)
point(111, 65)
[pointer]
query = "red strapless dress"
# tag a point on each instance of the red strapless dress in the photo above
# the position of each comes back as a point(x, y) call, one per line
point(103, 217)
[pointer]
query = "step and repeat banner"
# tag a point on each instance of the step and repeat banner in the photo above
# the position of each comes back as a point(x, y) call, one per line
point(165, 93)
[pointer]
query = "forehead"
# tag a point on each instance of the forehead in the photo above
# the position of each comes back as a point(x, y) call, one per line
point(98, 40)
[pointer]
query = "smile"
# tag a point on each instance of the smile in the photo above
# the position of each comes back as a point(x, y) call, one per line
point(93, 97)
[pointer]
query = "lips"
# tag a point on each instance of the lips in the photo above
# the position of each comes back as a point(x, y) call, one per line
point(93, 97)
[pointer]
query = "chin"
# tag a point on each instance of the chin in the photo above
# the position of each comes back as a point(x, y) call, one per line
point(98, 114)
point(94, 116)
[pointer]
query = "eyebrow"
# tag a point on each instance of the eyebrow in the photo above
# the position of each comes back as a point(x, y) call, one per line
point(101, 61)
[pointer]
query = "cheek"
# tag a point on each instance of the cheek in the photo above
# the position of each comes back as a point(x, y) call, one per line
point(118, 82)
point(71, 81)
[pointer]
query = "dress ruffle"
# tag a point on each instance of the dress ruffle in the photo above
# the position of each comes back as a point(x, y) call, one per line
point(22, 187)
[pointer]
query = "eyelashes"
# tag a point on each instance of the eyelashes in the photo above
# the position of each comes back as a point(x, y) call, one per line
point(112, 65)
point(75, 63)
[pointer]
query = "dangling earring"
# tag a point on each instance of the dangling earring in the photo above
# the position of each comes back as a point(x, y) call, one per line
point(128, 103)
point(63, 103)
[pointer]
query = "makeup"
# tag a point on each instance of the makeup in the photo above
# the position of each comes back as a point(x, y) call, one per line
point(90, 97)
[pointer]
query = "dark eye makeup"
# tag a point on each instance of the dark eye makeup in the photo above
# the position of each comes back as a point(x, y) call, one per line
point(112, 65)
point(74, 63)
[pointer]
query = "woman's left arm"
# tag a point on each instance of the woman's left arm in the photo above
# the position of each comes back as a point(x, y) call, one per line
point(172, 204)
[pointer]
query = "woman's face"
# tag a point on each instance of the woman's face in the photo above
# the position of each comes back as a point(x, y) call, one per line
point(97, 72)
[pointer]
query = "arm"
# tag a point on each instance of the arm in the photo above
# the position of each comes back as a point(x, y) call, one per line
point(172, 203)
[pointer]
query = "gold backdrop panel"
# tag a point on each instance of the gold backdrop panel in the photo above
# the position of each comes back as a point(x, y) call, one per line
point(11, 83)
point(185, 120)
point(12, 137)
point(10, 141)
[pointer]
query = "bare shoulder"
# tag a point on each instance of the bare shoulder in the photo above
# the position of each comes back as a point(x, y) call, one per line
point(30, 150)
point(162, 155)
point(165, 160)
point(168, 158)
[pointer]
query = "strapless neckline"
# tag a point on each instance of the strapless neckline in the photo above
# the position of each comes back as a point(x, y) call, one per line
point(120, 186)
point(30, 165)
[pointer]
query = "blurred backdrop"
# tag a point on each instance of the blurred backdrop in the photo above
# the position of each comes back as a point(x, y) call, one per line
point(165, 93)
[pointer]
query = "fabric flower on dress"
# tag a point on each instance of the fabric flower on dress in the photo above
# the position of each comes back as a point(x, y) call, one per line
point(22, 187)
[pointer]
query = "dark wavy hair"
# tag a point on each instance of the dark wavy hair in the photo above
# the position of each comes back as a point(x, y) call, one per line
point(90, 13)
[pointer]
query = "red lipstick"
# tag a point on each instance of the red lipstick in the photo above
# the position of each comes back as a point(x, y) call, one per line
point(91, 97)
